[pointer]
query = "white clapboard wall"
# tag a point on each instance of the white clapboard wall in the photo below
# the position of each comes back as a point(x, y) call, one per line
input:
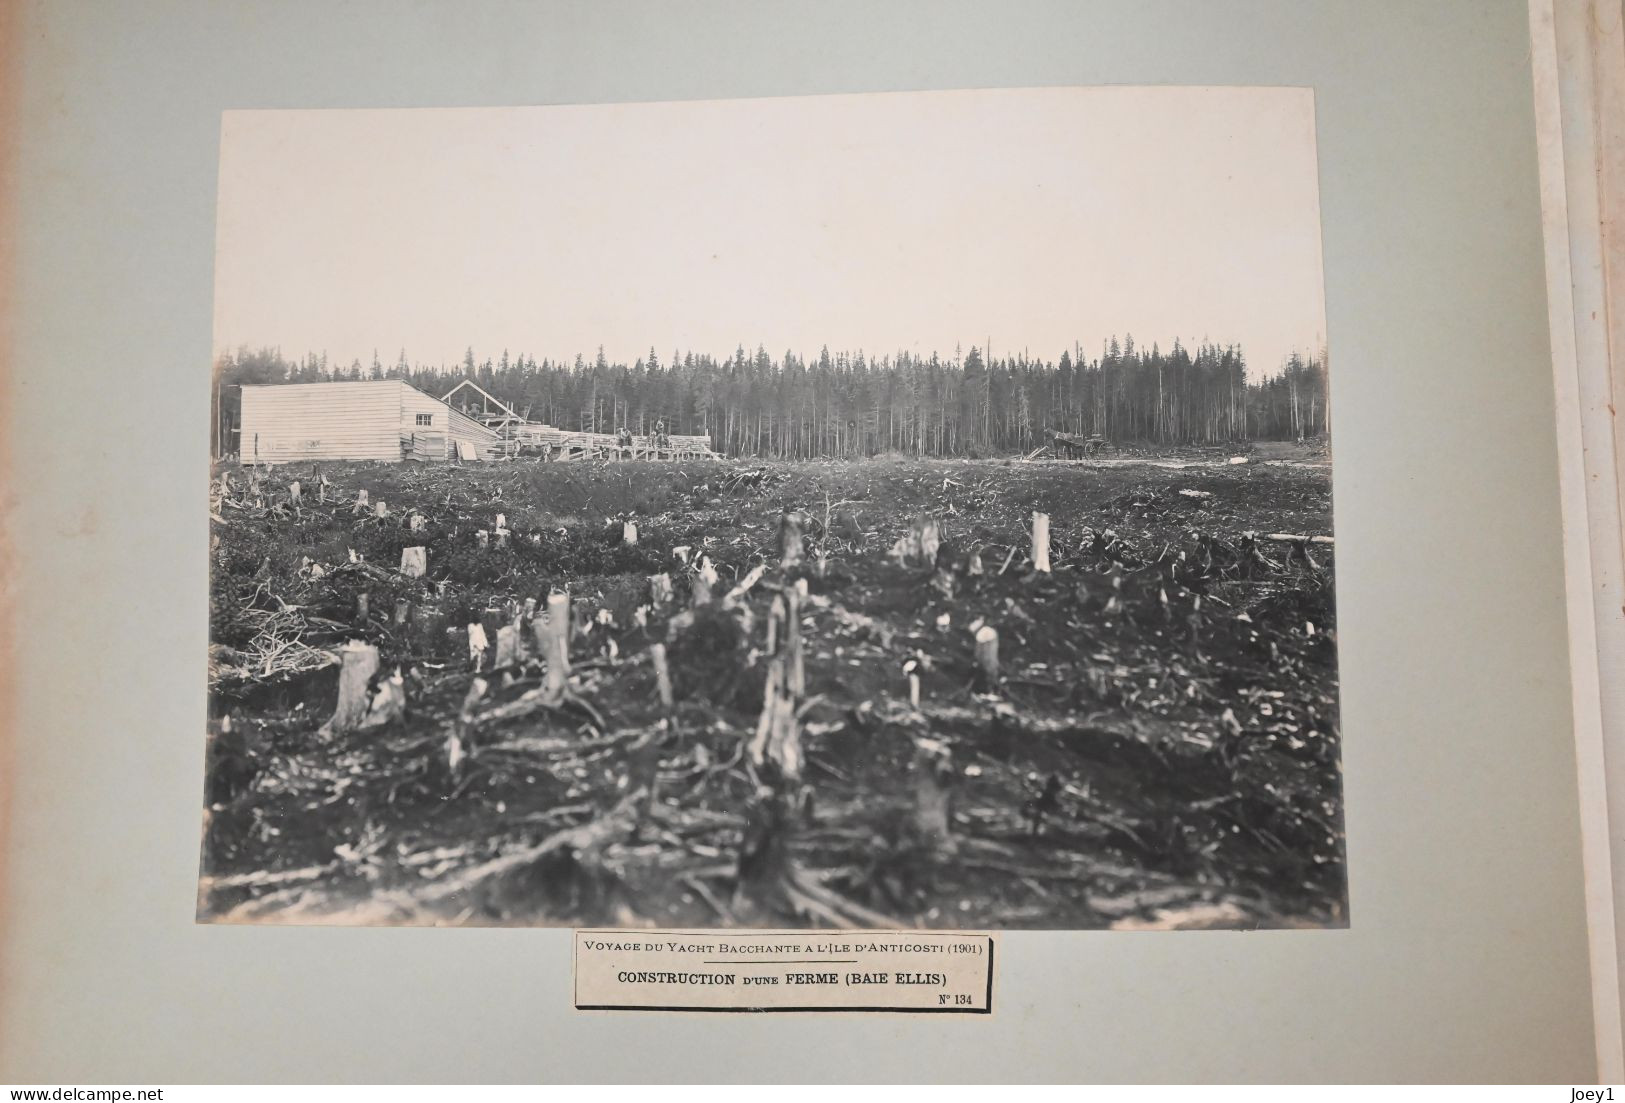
point(286, 422)
point(379, 419)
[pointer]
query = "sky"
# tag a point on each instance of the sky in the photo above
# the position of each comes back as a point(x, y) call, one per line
point(1024, 219)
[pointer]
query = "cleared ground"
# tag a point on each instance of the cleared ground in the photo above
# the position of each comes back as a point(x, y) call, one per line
point(1159, 749)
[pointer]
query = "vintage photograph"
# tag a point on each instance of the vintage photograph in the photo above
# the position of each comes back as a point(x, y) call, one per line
point(906, 510)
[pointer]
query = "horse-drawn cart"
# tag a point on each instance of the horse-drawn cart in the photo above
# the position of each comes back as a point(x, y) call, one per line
point(1073, 446)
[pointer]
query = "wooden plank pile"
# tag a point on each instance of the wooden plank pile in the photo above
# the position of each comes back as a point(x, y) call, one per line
point(567, 445)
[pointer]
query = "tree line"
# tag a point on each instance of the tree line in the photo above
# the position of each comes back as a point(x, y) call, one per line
point(848, 405)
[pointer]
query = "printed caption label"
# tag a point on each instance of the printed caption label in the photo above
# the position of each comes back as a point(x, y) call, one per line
point(926, 972)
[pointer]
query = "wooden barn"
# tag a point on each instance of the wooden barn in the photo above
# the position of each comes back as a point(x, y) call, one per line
point(376, 419)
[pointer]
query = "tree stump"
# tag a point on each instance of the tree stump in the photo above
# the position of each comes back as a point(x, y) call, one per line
point(657, 657)
point(381, 510)
point(987, 655)
point(1041, 542)
point(919, 544)
point(507, 647)
point(553, 640)
point(629, 532)
point(492, 620)
point(295, 495)
point(478, 645)
point(414, 562)
point(933, 778)
point(704, 579)
point(388, 703)
point(790, 548)
point(358, 664)
point(360, 502)
point(460, 739)
point(930, 537)
point(660, 591)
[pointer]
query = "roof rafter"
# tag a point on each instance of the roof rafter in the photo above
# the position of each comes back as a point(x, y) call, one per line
point(446, 398)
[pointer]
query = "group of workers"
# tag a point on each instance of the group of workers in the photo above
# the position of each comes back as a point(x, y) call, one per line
point(659, 438)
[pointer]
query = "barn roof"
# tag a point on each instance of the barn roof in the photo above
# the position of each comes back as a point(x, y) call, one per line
point(487, 395)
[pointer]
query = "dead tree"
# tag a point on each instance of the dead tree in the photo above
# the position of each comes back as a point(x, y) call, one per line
point(776, 745)
point(775, 618)
point(795, 673)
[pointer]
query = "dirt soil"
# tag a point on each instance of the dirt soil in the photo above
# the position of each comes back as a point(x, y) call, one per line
point(1159, 747)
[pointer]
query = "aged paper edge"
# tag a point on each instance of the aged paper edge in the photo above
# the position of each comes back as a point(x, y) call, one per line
point(1574, 58)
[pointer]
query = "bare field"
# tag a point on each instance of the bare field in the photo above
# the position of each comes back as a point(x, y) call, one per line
point(1159, 746)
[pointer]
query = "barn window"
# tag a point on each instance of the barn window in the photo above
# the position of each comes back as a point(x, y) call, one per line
point(425, 419)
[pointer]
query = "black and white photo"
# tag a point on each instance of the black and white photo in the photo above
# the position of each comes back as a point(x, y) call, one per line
point(879, 511)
